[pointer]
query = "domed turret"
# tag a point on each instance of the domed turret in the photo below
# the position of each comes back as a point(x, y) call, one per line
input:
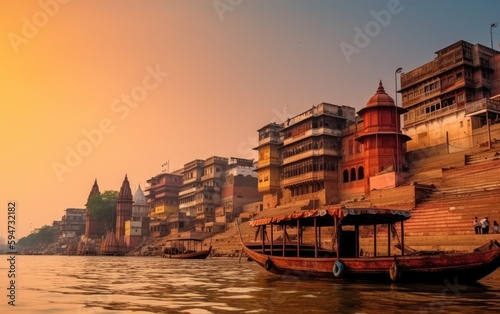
point(380, 98)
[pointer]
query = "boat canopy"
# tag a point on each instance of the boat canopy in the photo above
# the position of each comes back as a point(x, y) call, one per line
point(347, 216)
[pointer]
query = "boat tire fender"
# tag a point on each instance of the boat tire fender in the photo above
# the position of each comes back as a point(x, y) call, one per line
point(268, 265)
point(338, 268)
point(394, 272)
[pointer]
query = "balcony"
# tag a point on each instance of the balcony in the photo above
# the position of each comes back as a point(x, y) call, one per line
point(267, 162)
point(308, 177)
point(187, 205)
point(205, 201)
point(481, 106)
point(187, 192)
point(269, 140)
point(190, 180)
point(447, 87)
point(312, 153)
point(312, 132)
point(431, 115)
point(443, 63)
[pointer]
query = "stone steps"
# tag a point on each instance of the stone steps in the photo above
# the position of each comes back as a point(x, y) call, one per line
point(466, 242)
point(466, 184)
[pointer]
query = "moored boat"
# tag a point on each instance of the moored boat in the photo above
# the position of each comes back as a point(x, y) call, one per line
point(186, 248)
point(347, 259)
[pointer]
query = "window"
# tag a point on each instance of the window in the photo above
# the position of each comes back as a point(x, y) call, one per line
point(353, 174)
point(361, 173)
point(346, 176)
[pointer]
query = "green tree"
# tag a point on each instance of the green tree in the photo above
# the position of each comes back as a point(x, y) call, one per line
point(45, 235)
point(103, 207)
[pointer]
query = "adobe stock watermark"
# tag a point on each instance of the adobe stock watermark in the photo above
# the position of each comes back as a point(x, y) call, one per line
point(30, 27)
point(221, 7)
point(122, 106)
point(372, 29)
point(245, 148)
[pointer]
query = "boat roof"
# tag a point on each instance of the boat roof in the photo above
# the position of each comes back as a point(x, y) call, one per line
point(347, 216)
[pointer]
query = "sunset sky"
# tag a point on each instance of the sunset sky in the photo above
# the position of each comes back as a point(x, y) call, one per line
point(100, 89)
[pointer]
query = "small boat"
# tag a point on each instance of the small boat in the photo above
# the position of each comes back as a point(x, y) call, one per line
point(345, 259)
point(186, 248)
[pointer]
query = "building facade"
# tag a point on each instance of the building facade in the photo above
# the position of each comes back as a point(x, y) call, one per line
point(329, 155)
point(73, 223)
point(162, 196)
point(239, 188)
point(191, 181)
point(268, 164)
point(308, 148)
point(440, 97)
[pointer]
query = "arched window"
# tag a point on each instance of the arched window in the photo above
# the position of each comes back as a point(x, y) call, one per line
point(346, 176)
point(353, 174)
point(361, 173)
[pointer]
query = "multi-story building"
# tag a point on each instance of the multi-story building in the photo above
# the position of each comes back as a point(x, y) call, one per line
point(73, 223)
point(441, 98)
point(268, 164)
point(328, 155)
point(239, 187)
point(309, 153)
point(208, 195)
point(201, 192)
point(191, 181)
point(162, 196)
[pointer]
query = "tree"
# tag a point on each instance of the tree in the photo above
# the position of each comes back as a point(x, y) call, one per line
point(45, 235)
point(103, 207)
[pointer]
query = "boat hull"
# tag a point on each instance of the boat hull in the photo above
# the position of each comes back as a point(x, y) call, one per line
point(439, 267)
point(193, 255)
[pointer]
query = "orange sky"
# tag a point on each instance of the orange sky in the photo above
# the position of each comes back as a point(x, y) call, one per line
point(182, 80)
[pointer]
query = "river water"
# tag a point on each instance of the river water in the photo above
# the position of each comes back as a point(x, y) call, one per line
point(98, 284)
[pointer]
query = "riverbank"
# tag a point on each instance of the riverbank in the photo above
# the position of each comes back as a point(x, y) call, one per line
point(227, 244)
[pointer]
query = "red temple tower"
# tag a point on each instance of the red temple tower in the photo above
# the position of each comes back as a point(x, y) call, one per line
point(123, 212)
point(93, 226)
point(381, 136)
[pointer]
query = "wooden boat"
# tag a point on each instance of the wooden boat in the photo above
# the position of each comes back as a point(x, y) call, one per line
point(186, 248)
point(344, 259)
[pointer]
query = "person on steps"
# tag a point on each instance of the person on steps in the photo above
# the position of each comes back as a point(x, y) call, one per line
point(485, 225)
point(477, 226)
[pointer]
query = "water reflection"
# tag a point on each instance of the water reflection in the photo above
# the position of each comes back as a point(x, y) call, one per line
point(62, 284)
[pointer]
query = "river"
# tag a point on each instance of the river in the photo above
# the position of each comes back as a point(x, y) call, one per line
point(99, 284)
